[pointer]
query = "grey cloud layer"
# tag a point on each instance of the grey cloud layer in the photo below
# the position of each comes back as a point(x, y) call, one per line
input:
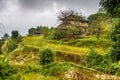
point(41, 5)
point(24, 14)
point(2, 4)
point(71, 4)
point(36, 4)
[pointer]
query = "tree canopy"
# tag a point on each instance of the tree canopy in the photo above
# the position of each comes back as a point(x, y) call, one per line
point(96, 16)
point(112, 7)
point(15, 34)
point(66, 16)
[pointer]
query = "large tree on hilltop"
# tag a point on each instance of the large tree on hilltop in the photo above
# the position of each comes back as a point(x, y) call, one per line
point(66, 16)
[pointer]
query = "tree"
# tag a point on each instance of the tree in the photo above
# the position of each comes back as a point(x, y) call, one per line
point(15, 34)
point(66, 16)
point(112, 7)
point(115, 37)
point(39, 30)
point(31, 31)
point(6, 36)
point(101, 10)
point(72, 23)
point(96, 16)
point(95, 21)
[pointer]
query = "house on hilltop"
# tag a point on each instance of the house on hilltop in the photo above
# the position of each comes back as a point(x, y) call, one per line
point(78, 22)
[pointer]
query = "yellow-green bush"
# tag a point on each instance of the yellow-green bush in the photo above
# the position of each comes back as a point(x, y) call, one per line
point(6, 70)
point(46, 56)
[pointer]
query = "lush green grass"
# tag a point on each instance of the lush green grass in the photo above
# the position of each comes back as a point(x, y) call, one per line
point(69, 47)
point(27, 53)
point(36, 76)
point(30, 46)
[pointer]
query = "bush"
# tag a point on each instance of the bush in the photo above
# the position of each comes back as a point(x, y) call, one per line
point(115, 37)
point(1, 43)
point(56, 35)
point(6, 70)
point(13, 43)
point(54, 69)
point(46, 56)
point(115, 68)
point(93, 59)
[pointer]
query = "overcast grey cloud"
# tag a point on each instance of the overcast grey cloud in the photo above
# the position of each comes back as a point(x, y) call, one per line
point(2, 4)
point(24, 14)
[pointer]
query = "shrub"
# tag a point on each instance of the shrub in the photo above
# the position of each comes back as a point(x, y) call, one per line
point(6, 70)
point(1, 43)
point(115, 68)
point(93, 59)
point(46, 56)
point(115, 50)
point(56, 35)
point(54, 69)
point(12, 44)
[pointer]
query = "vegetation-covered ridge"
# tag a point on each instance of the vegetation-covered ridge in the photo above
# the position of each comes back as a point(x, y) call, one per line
point(78, 48)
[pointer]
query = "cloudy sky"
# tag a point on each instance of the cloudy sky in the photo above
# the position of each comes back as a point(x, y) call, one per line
point(23, 14)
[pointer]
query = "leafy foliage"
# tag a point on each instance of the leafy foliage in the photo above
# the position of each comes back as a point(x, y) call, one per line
point(1, 43)
point(73, 30)
point(54, 69)
point(57, 35)
point(39, 30)
point(115, 69)
point(65, 16)
point(46, 56)
point(12, 44)
point(112, 7)
point(15, 34)
point(115, 37)
point(6, 36)
point(96, 22)
point(6, 70)
point(96, 16)
point(93, 59)
point(14, 41)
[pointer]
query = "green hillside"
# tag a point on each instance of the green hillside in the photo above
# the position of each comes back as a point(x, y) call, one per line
point(26, 57)
point(78, 48)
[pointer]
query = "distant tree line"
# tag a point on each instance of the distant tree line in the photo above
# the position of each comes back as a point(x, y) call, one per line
point(39, 30)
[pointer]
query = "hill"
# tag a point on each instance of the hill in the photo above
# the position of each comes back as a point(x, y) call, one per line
point(25, 58)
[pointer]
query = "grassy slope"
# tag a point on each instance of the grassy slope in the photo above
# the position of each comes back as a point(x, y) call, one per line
point(83, 48)
point(27, 52)
point(38, 42)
